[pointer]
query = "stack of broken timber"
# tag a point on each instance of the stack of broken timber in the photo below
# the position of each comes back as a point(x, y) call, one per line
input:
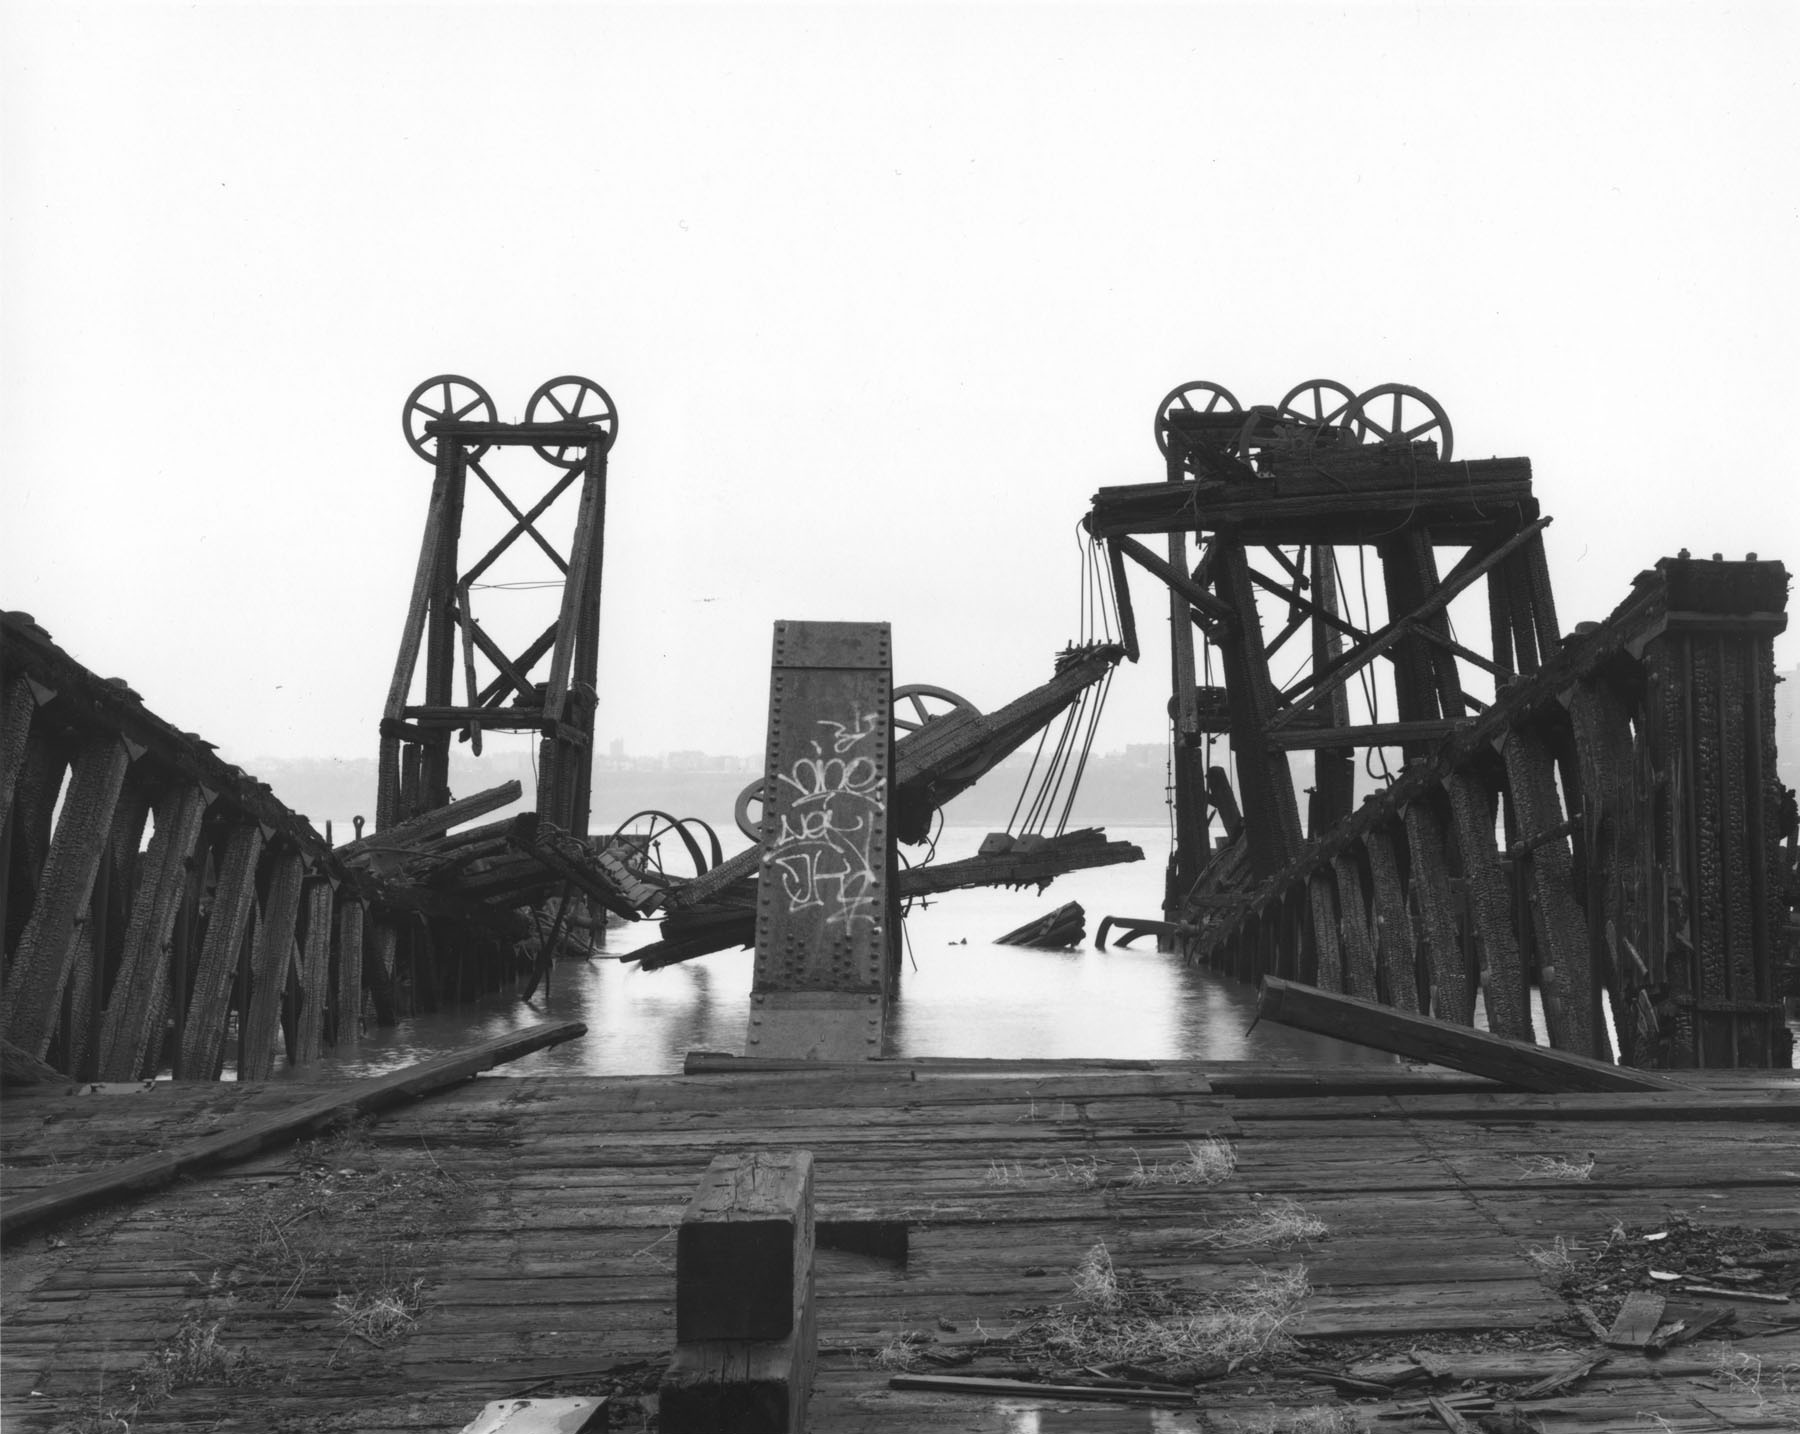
point(419, 865)
point(729, 919)
point(1062, 928)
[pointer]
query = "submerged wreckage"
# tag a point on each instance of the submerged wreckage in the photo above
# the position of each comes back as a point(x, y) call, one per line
point(1630, 767)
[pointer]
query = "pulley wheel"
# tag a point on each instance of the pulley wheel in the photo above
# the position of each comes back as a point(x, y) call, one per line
point(1398, 415)
point(752, 795)
point(448, 397)
point(919, 703)
point(573, 399)
point(1196, 397)
point(1317, 403)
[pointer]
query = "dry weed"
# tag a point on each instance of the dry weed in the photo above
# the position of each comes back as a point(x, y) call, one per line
point(1274, 1226)
point(901, 1353)
point(1555, 1167)
point(1122, 1320)
point(1555, 1262)
point(1747, 1375)
point(1314, 1419)
point(1209, 1162)
point(380, 1316)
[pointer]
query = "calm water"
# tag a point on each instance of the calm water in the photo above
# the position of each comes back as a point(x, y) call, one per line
point(956, 999)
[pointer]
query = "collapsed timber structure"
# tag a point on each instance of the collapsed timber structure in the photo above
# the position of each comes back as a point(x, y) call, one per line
point(236, 927)
point(1606, 825)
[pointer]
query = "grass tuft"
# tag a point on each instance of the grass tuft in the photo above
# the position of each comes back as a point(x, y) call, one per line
point(1209, 1162)
point(1555, 1262)
point(1120, 1320)
point(1313, 1419)
point(1274, 1226)
point(901, 1353)
point(1555, 1167)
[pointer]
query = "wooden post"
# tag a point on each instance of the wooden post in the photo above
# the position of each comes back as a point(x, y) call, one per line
point(134, 1010)
point(203, 1032)
point(1570, 1008)
point(18, 703)
point(745, 1330)
point(1329, 971)
point(315, 970)
point(1396, 947)
point(269, 967)
point(824, 937)
point(350, 969)
point(1353, 928)
point(40, 967)
point(1508, 1010)
point(1452, 992)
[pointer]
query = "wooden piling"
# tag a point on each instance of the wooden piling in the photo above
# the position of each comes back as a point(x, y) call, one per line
point(40, 967)
point(203, 1031)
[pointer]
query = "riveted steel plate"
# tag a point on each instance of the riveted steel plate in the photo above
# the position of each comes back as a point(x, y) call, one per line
point(822, 892)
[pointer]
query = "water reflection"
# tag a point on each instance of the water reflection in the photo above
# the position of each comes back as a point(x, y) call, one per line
point(961, 995)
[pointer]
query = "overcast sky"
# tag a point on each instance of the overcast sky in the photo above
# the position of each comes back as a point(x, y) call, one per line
point(883, 295)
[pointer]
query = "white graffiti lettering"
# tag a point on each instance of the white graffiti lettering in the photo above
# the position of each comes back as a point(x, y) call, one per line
point(825, 843)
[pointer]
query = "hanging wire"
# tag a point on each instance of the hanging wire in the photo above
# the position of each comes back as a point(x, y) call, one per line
point(1087, 745)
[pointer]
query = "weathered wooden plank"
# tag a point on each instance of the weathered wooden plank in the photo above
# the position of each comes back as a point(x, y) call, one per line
point(1452, 992)
point(427, 825)
point(40, 966)
point(269, 966)
point(350, 918)
point(203, 1032)
point(1503, 985)
point(1328, 962)
point(315, 971)
point(1353, 929)
point(1423, 1038)
point(1396, 947)
point(1571, 1009)
point(359, 1098)
point(18, 704)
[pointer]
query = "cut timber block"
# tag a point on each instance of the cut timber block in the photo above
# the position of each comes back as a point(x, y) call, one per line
point(540, 1416)
point(746, 1337)
point(743, 1254)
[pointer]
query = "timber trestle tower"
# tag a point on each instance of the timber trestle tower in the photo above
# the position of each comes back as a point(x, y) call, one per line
point(1596, 816)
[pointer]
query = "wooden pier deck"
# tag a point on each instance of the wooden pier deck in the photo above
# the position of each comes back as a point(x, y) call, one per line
point(521, 1228)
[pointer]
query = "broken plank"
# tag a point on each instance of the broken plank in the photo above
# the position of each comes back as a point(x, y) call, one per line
point(359, 1098)
point(1637, 1320)
point(1517, 1063)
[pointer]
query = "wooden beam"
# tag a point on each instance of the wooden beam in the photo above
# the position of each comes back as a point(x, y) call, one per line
point(203, 1032)
point(1384, 734)
point(315, 971)
point(259, 1023)
point(1516, 1063)
point(1401, 627)
point(140, 990)
point(363, 1097)
point(1179, 582)
point(40, 965)
point(351, 920)
point(434, 823)
point(18, 703)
